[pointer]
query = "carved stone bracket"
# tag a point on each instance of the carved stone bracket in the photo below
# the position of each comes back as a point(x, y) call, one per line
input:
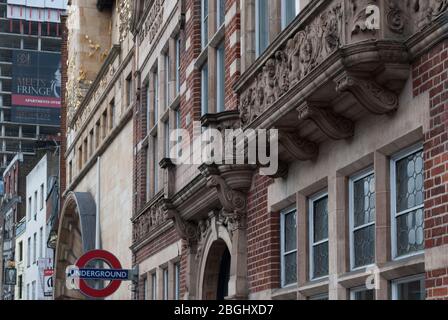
point(187, 230)
point(300, 149)
point(233, 201)
point(332, 124)
point(372, 96)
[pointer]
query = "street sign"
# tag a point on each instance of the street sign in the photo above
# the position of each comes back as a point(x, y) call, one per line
point(78, 275)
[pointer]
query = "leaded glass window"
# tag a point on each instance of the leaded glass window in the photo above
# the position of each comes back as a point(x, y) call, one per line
point(408, 202)
point(362, 211)
point(319, 237)
point(289, 247)
point(411, 288)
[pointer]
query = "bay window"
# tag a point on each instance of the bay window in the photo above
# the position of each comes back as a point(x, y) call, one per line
point(409, 288)
point(220, 78)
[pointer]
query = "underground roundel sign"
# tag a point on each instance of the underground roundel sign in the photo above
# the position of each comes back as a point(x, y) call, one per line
point(78, 274)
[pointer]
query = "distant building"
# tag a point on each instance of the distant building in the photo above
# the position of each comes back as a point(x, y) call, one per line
point(30, 75)
point(33, 257)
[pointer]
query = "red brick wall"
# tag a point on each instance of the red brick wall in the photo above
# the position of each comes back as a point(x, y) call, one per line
point(430, 74)
point(263, 239)
point(156, 245)
point(232, 55)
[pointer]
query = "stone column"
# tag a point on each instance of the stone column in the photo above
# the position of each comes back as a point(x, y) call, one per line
point(238, 285)
point(302, 243)
point(337, 235)
point(191, 274)
point(382, 223)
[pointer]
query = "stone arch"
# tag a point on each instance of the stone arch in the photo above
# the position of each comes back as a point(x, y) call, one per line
point(215, 244)
point(76, 235)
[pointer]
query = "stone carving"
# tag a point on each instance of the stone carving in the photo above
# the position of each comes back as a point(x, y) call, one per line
point(124, 10)
point(187, 230)
point(297, 147)
point(153, 22)
point(366, 17)
point(233, 201)
point(301, 54)
point(148, 221)
point(395, 17)
point(370, 95)
point(428, 10)
point(332, 124)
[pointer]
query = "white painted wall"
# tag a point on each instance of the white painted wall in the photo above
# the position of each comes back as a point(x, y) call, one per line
point(36, 231)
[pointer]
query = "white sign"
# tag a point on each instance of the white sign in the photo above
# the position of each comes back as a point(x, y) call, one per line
point(36, 10)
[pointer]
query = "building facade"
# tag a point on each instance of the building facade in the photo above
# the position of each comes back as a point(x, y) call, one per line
point(12, 211)
point(30, 79)
point(357, 91)
point(33, 256)
point(98, 102)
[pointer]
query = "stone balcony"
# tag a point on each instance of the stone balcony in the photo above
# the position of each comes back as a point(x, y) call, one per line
point(337, 62)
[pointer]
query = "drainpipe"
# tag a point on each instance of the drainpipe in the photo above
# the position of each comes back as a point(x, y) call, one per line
point(98, 197)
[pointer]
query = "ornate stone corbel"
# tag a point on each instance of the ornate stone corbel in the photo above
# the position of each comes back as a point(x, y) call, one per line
point(372, 96)
point(187, 230)
point(233, 201)
point(332, 124)
point(300, 149)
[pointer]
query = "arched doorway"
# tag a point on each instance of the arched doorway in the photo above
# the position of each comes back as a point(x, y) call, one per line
point(217, 272)
point(76, 235)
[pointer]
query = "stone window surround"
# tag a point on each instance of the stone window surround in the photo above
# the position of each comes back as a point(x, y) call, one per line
point(170, 265)
point(389, 269)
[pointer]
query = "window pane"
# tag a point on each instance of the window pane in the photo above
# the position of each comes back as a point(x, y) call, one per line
point(410, 233)
point(220, 78)
point(320, 260)
point(220, 6)
point(364, 246)
point(289, 12)
point(413, 290)
point(320, 219)
point(204, 29)
point(409, 173)
point(364, 295)
point(262, 26)
point(290, 242)
point(364, 201)
point(290, 268)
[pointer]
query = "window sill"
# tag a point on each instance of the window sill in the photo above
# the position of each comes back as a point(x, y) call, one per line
point(286, 293)
point(355, 278)
point(218, 37)
point(175, 103)
point(314, 288)
point(201, 59)
point(404, 267)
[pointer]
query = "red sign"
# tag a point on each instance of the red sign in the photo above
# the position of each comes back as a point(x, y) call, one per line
point(109, 259)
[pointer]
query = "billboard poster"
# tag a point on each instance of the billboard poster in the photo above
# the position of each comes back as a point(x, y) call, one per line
point(36, 88)
point(46, 271)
